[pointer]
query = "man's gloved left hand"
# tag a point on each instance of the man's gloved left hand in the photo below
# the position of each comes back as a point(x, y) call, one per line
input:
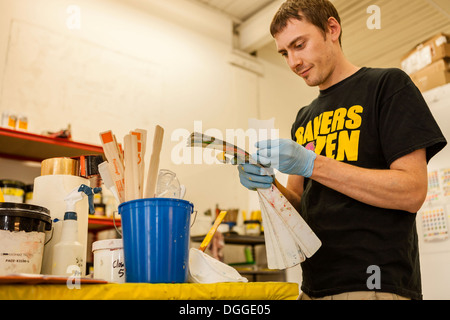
point(253, 177)
point(287, 156)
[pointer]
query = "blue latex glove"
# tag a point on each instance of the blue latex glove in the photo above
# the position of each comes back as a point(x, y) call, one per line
point(253, 177)
point(287, 156)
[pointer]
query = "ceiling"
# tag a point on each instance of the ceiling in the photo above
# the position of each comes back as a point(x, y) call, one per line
point(404, 24)
point(239, 10)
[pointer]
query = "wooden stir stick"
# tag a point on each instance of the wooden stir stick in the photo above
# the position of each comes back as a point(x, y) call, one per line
point(212, 231)
point(154, 163)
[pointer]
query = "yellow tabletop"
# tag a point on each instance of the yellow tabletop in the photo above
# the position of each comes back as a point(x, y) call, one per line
point(144, 291)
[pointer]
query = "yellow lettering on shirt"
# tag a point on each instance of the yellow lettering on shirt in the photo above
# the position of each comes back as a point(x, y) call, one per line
point(355, 118)
point(335, 134)
point(320, 144)
point(326, 122)
point(331, 145)
point(339, 119)
point(317, 121)
point(309, 136)
point(299, 135)
point(348, 145)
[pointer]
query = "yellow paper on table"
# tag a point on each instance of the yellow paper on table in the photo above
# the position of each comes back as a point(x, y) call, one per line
point(1, 196)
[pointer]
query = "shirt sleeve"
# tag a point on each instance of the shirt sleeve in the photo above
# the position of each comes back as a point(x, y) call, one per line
point(406, 123)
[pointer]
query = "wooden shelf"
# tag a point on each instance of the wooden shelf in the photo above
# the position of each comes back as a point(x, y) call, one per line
point(99, 223)
point(258, 271)
point(232, 238)
point(21, 145)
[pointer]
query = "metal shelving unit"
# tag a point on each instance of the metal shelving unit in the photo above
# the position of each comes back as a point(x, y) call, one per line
point(26, 146)
point(20, 145)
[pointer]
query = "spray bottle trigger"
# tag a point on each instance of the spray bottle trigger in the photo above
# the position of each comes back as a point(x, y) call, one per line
point(97, 190)
point(88, 191)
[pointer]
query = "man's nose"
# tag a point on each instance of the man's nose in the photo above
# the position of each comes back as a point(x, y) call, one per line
point(294, 61)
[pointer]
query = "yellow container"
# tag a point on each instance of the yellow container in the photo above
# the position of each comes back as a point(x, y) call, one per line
point(60, 166)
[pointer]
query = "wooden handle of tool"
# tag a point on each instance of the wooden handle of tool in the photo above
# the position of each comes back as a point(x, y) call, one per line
point(212, 231)
point(283, 190)
point(114, 159)
point(131, 173)
point(279, 186)
point(142, 140)
point(154, 163)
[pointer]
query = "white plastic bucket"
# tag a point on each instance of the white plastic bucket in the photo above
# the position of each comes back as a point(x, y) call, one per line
point(22, 236)
point(109, 262)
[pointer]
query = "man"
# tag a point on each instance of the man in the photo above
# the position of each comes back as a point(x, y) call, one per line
point(357, 162)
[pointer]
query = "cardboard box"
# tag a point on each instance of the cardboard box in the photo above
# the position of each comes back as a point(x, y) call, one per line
point(424, 54)
point(435, 75)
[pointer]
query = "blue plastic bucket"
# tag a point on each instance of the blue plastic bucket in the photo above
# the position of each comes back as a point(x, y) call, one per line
point(156, 239)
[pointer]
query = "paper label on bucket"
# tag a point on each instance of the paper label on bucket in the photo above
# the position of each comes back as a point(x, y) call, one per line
point(109, 265)
point(21, 252)
point(13, 194)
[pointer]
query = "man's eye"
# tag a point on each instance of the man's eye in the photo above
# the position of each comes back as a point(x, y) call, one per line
point(300, 45)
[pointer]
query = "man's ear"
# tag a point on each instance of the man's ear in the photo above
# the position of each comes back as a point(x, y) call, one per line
point(334, 29)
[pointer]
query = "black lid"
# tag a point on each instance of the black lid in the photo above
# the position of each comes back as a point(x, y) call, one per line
point(92, 163)
point(25, 210)
point(12, 183)
point(252, 222)
point(70, 215)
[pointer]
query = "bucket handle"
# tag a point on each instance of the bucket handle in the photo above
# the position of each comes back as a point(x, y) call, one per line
point(119, 232)
point(195, 218)
point(51, 236)
point(115, 226)
point(52, 231)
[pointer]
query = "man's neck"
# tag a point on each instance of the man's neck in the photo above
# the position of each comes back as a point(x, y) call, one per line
point(342, 70)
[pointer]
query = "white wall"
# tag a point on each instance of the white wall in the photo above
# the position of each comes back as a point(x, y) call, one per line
point(193, 79)
point(435, 255)
point(135, 64)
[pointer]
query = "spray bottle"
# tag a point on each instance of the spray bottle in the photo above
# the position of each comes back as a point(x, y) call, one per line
point(69, 254)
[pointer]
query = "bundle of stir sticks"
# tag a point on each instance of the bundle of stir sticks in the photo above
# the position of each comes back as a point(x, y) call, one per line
point(197, 139)
point(123, 172)
point(289, 240)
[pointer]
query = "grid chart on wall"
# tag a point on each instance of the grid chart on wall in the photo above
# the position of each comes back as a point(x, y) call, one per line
point(434, 212)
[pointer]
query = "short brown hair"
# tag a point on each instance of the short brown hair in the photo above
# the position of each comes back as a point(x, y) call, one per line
point(316, 12)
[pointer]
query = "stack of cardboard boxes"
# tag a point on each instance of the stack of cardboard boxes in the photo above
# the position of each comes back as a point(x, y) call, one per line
point(428, 64)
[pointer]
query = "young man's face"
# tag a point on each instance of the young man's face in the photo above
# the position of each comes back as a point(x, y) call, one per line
point(307, 52)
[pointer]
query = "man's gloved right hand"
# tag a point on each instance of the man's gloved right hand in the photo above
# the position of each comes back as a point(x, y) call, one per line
point(253, 177)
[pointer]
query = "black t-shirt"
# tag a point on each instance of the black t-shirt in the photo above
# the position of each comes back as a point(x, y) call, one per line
point(368, 120)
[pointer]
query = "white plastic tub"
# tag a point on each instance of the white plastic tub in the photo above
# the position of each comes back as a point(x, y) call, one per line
point(109, 261)
point(22, 236)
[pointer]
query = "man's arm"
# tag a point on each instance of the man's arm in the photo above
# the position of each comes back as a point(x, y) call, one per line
point(402, 187)
point(293, 190)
